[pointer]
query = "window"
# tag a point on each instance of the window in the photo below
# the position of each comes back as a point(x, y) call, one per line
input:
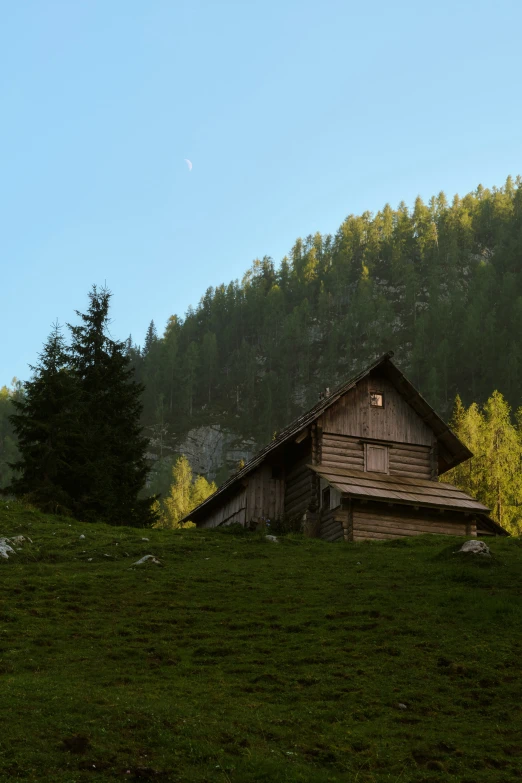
point(376, 399)
point(375, 458)
point(326, 497)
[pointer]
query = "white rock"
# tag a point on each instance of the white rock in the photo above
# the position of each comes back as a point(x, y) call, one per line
point(148, 559)
point(145, 539)
point(475, 548)
point(5, 549)
point(19, 539)
point(82, 537)
point(272, 538)
point(402, 706)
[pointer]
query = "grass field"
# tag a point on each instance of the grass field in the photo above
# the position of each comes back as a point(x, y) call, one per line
point(242, 660)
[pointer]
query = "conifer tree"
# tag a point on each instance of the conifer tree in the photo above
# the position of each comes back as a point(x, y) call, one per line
point(493, 474)
point(502, 461)
point(209, 361)
point(468, 425)
point(200, 490)
point(184, 494)
point(177, 503)
point(150, 339)
point(110, 468)
point(46, 424)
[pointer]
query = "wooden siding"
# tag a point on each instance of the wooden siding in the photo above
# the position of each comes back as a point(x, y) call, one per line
point(380, 521)
point(232, 510)
point(353, 415)
point(264, 495)
point(298, 488)
point(404, 459)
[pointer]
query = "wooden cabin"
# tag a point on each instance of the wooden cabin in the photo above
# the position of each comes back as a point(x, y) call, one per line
point(363, 463)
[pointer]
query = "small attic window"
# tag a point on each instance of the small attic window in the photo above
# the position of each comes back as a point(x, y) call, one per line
point(376, 399)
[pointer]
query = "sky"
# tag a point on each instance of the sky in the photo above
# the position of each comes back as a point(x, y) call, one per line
point(293, 114)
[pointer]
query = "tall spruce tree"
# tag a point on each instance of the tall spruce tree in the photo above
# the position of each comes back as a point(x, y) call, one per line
point(46, 425)
point(110, 469)
point(150, 338)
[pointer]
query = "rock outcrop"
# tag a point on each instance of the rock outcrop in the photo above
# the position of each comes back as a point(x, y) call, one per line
point(210, 449)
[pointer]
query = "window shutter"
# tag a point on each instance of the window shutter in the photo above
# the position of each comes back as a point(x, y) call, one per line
point(376, 458)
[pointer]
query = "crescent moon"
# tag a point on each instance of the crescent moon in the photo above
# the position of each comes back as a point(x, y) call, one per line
point(189, 164)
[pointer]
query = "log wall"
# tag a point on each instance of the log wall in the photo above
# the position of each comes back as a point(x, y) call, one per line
point(404, 459)
point(342, 451)
point(380, 521)
point(410, 461)
point(331, 528)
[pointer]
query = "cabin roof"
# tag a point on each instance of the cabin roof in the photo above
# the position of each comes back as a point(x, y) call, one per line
point(453, 451)
point(359, 484)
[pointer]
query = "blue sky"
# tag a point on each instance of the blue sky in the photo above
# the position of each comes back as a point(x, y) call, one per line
point(294, 114)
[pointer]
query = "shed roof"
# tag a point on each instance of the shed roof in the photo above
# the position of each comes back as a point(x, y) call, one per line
point(399, 489)
point(453, 452)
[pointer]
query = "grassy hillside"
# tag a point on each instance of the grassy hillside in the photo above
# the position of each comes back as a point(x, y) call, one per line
point(242, 661)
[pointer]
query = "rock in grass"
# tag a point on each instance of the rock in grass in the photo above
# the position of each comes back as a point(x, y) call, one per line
point(148, 559)
point(475, 548)
point(5, 549)
point(20, 539)
point(272, 538)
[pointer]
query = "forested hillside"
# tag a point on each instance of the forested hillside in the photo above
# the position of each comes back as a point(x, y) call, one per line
point(440, 284)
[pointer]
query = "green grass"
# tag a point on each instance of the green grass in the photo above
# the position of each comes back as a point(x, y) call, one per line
point(243, 661)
